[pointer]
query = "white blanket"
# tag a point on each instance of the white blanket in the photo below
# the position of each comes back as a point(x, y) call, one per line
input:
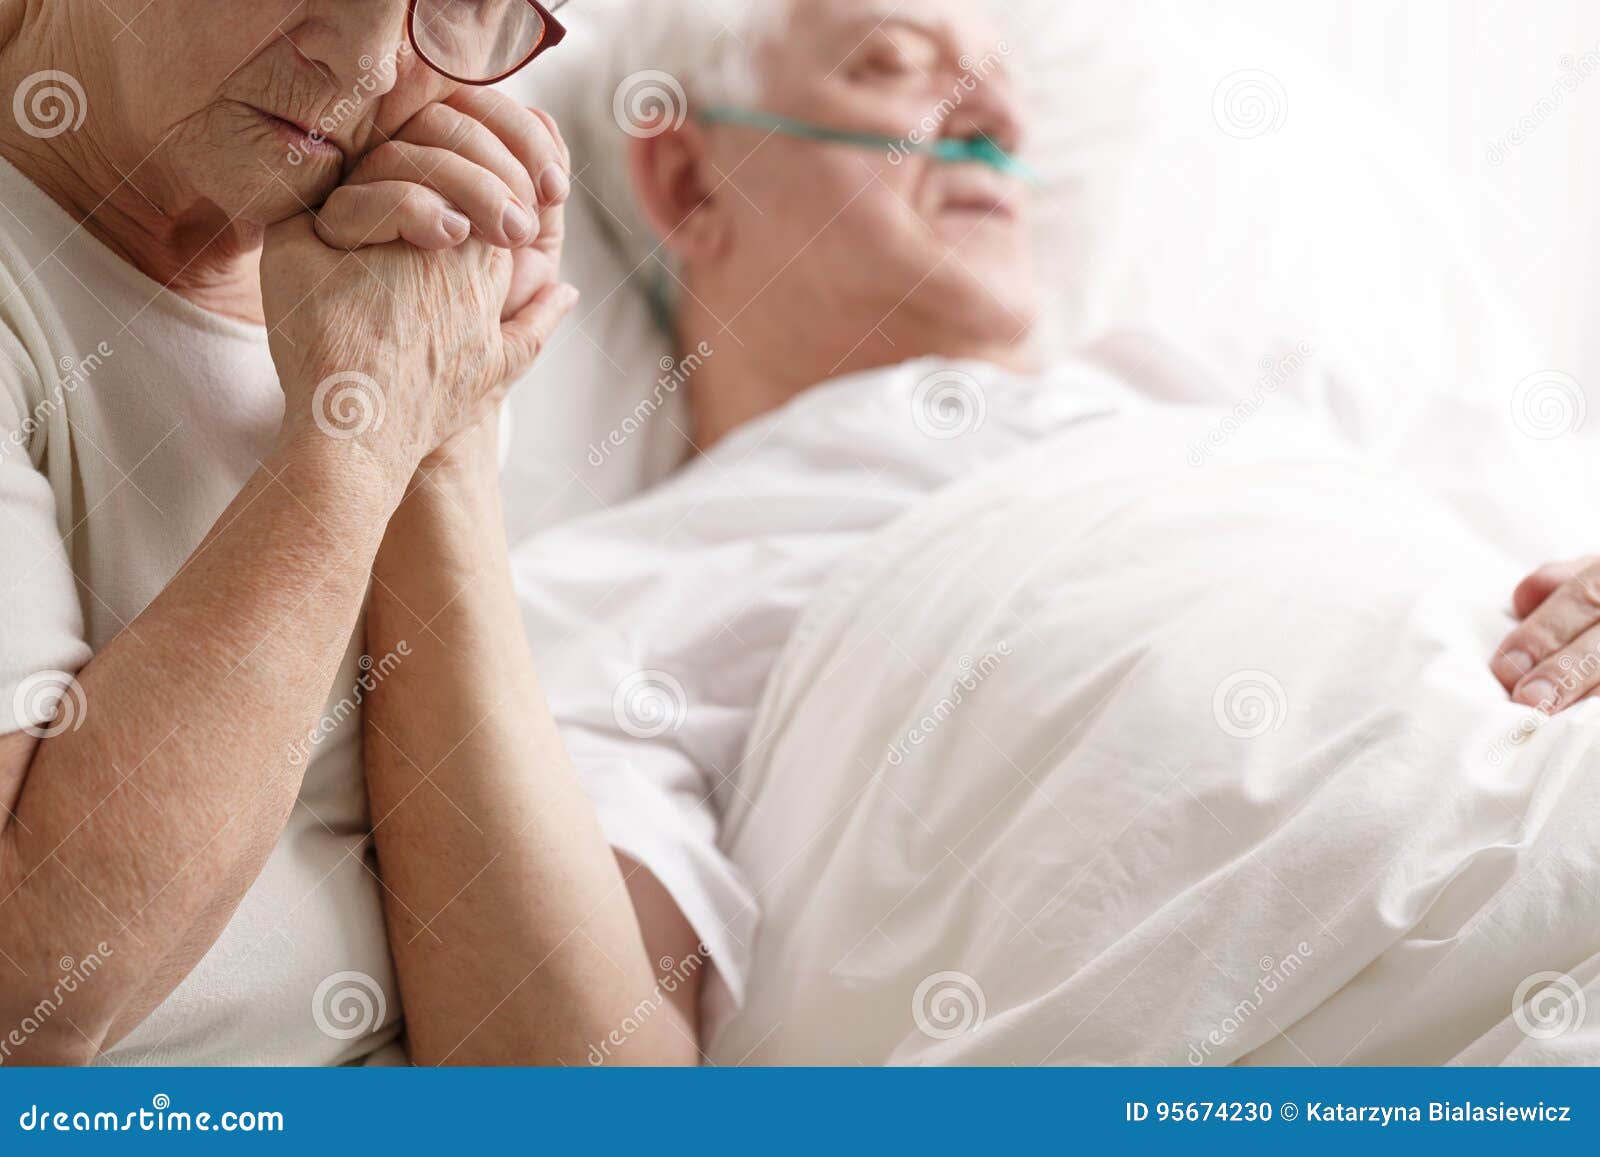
point(1107, 757)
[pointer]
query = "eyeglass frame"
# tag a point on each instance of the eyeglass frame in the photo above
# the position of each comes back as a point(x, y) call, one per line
point(554, 33)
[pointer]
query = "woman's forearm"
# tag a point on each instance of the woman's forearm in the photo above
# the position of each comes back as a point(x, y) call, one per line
point(513, 931)
point(142, 826)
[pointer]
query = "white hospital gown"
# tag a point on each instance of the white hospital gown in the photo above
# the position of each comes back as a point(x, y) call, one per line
point(655, 624)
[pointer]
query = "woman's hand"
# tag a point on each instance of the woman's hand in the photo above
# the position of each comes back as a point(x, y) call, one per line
point(1552, 660)
point(399, 347)
point(476, 161)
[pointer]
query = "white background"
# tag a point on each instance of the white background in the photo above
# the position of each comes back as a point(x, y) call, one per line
point(1462, 74)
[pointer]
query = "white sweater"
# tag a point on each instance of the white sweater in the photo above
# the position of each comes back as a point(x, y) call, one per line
point(129, 420)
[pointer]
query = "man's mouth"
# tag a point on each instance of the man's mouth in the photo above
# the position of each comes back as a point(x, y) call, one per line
point(982, 205)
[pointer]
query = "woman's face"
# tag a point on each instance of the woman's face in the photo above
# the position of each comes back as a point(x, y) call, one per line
point(254, 106)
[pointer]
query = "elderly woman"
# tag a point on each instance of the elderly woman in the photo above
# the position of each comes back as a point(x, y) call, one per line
point(265, 271)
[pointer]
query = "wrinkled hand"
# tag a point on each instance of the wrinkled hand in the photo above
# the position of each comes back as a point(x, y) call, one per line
point(391, 324)
point(1552, 660)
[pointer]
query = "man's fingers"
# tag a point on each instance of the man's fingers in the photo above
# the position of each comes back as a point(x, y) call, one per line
point(1544, 582)
point(494, 209)
point(529, 330)
point(1567, 676)
point(1563, 616)
point(531, 271)
point(355, 216)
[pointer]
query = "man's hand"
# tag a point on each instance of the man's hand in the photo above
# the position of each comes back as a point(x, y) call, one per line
point(412, 340)
point(1552, 660)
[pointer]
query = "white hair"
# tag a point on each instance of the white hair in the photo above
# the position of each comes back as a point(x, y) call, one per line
point(651, 62)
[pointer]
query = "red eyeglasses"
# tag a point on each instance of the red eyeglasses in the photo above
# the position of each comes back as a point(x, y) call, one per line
point(482, 41)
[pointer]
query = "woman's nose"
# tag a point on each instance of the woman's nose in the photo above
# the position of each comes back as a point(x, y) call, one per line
point(361, 43)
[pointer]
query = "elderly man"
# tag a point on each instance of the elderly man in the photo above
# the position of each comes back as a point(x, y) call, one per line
point(818, 273)
point(844, 225)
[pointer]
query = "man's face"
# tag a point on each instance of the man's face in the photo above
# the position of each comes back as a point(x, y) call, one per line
point(255, 107)
point(887, 240)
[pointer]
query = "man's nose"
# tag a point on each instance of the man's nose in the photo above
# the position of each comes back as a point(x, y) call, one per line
point(990, 109)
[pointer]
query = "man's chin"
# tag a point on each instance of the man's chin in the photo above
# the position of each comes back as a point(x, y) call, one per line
point(991, 301)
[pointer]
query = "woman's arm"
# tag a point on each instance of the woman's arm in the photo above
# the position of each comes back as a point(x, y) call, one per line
point(143, 827)
point(515, 936)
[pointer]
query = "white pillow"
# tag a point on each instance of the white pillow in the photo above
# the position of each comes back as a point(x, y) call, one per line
point(585, 428)
point(1223, 192)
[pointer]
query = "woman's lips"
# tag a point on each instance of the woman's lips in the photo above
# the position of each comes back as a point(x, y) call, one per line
point(298, 135)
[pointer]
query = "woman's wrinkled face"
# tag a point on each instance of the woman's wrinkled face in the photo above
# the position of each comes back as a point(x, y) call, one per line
point(255, 106)
point(888, 233)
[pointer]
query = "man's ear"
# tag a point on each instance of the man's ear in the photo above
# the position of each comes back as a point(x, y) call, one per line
point(670, 182)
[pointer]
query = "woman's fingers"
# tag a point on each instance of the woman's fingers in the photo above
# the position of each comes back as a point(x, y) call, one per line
point(554, 187)
point(355, 216)
point(496, 213)
point(442, 126)
point(1566, 676)
point(500, 166)
point(1548, 632)
point(532, 137)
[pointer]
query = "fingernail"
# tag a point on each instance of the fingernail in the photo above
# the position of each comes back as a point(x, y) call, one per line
point(1521, 662)
point(1540, 693)
point(456, 226)
point(553, 184)
point(516, 222)
point(568, 296)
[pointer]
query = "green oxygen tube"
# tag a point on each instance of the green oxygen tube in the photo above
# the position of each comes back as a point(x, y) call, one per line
point(972, 150)
point(975, 150)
